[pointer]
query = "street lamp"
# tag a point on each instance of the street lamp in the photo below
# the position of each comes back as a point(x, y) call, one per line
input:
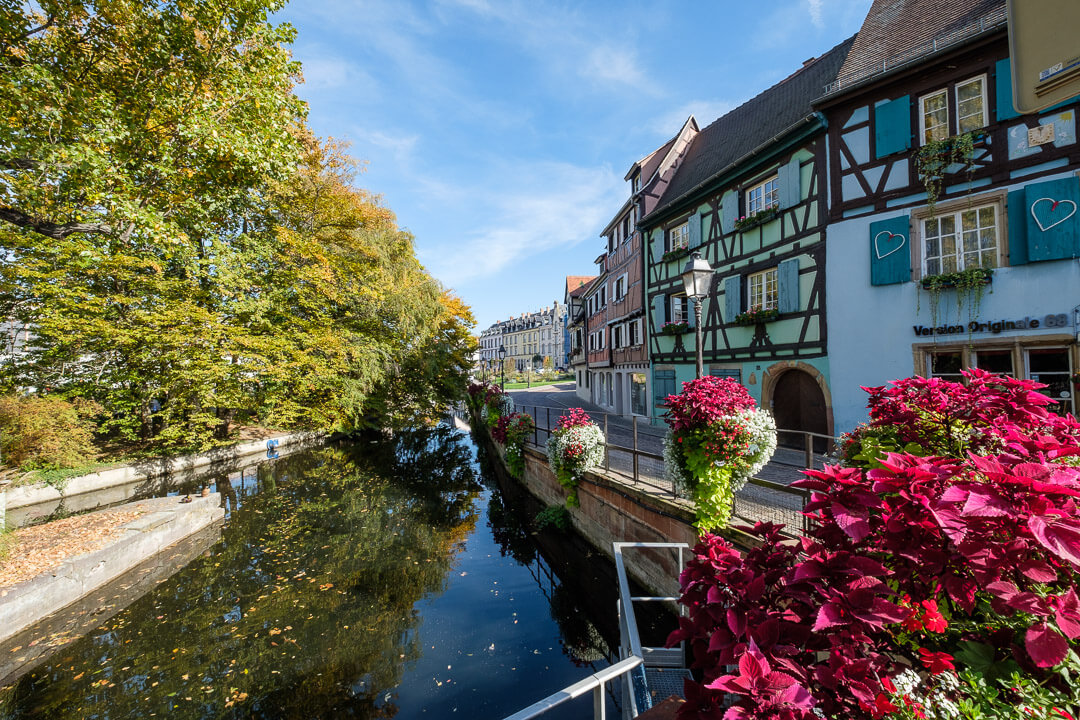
point(696, 278)
point(502, 367)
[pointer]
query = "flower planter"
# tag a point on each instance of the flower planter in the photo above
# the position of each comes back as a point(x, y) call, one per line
point(744, 224)
point(756, 317)
point(672, 255)
point(675, 329)
point(947, 282)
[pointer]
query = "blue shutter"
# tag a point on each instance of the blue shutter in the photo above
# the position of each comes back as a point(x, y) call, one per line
point(731, 212)
point(732, 299)
point(890, 251)
point(694, 225)
point(1003, 87)
point(659, 311)
point(1053, 223)
point(892, 126)
point(688, 312)
point(658, 244)
point(787, 282)
point(1018, 216)
point(789, 181)
point(663, 385)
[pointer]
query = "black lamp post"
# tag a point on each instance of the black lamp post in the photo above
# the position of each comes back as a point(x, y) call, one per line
point(696, 277)
point(502, 367)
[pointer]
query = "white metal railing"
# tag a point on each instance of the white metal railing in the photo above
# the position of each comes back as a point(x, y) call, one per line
point(595, 684)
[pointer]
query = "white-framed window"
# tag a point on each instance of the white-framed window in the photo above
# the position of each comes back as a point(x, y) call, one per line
point(962, 239)
point(763, 196)
point(679, 237)
point(635, 333)
point(934, 116)
point(617, 337)
point(971, 104)
point(763, 292)
point(969, 97)
point(679, 308)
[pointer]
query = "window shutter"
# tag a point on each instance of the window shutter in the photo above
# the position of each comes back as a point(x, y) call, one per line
point(688, 312)
point(1003, 87)
point(730, 212)
point(1053, 223)
point(890, 251)
point(694, 225)
point(787, 281)
point(892, 126)
point(789, 181)
point(732, 301)
point(658, 244)
point(659, 310)
point(1018, 216)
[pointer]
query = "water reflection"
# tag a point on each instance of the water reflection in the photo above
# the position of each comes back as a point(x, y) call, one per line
point(304, 609)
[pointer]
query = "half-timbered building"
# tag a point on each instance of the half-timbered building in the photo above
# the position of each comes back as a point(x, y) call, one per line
point(750, 196)
point(598, 357)
point(576, 330)
point(624, 266)
point(954, 228)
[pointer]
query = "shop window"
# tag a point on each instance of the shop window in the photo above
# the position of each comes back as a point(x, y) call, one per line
point(1050, 366)
point(947, 365)
point(999, 362)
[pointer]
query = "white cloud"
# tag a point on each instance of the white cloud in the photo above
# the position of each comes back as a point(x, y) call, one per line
point(555, 206)
point(329, 73)
point(613, 65)
point(816, 10)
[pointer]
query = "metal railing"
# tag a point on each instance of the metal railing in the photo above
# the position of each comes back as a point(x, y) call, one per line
point(635, 452)
point(595, 684)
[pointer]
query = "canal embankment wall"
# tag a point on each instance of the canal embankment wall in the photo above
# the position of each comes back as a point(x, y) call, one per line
point(86, 491)
point(163, 522)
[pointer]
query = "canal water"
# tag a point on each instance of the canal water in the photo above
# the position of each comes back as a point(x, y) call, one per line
point(384, 578)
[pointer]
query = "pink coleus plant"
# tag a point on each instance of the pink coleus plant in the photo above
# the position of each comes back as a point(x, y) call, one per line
point(961, 529)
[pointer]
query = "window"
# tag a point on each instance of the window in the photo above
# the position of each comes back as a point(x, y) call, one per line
point(763, 196)
point(1047, 365)
point(971, 104)
point(763, 291)
point(617, 339)
point(970, 99)
point(635, 333)
point(966, 238)
point(934, 116)
point(679, 309)
point(735, 375)
point(620, 287)
point(679, 237)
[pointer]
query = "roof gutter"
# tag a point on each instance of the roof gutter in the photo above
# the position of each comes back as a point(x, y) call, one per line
point(796, 134)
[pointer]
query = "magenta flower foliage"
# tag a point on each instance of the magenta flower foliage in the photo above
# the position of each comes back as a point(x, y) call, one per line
point(706, 400)
point(969, 538)
point(574, 417)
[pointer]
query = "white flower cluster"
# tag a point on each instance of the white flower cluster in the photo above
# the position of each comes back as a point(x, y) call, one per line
point(762, 428)
point(590, 437)
point(936, 703)
point(673, 469)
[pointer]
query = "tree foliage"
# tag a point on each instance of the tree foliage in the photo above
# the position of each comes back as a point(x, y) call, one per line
point(180, 246)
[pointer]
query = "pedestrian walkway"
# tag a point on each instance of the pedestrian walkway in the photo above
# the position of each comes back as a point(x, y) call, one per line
point(766, 497)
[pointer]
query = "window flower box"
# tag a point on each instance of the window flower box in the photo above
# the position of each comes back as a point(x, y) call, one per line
point(676, 254)
point(762, 216)
point(965, 279)
point(675, 328)
point(755, 316)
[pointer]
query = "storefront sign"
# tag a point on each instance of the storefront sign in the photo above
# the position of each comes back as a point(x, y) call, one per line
point(1059, 320)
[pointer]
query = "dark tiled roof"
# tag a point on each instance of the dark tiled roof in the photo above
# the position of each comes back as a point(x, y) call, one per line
point(898, 31)
point(649, 164)
point(754, 123)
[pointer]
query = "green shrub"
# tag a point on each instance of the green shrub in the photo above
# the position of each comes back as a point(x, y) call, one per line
point(556, 516)
point(41, 433)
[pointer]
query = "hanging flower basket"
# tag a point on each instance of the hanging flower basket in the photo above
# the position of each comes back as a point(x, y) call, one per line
point(576, 445)
point(676, 254)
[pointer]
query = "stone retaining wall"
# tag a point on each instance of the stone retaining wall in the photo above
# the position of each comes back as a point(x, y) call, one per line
point(165, 522)
point(156, 468)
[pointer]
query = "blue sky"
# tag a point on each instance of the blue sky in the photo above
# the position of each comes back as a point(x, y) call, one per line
point(499, 131)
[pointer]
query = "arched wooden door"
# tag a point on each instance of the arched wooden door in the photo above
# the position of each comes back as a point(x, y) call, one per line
point(799, 404)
